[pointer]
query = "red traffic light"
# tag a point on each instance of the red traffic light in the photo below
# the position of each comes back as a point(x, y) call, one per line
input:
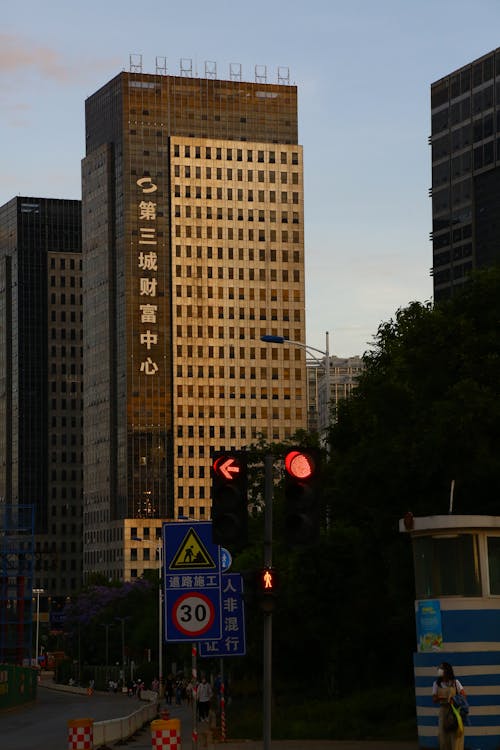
point(227, 467)
point(300, 464)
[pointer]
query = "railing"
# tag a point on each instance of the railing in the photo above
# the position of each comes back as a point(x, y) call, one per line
point(122, 728)
point(116, 730)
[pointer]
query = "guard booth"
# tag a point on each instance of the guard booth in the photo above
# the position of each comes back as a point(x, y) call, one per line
point(457, 612)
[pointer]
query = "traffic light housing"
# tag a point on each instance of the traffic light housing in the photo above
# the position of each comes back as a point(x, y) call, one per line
point(229, 499)
point(267, 581)
point(267, 587)
point(302, 496)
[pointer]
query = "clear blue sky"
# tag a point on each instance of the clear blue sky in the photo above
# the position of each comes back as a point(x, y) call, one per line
point(363, 69)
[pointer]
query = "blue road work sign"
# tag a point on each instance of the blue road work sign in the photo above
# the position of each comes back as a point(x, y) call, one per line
point(232, 642)
point(192, 574)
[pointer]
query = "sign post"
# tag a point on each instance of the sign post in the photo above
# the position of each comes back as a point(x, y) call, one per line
point(268, 616)
point(192, 591)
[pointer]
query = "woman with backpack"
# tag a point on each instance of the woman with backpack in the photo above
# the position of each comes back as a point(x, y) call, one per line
point(444, 689)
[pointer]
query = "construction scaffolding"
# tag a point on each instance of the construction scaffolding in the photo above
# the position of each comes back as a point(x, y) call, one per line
point(16, 583)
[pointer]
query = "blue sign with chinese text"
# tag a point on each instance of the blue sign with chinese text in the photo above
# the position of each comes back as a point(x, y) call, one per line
point(232, 642)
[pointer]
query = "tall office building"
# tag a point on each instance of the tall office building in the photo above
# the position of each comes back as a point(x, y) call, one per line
point(465, 190)
point(41, 381)
point(193, 247)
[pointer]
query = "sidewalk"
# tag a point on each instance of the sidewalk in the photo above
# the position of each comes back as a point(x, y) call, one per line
point(143, 740)
point(321, 745)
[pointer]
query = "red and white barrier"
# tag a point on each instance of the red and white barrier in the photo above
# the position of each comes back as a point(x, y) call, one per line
point(166, 734)
point(80, 734)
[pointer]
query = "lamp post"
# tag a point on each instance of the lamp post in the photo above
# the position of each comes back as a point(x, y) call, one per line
point(37, 592)
point(107, 626)
point(160, 612)
point(325, 361)
point(160, 617)
point(122, 620)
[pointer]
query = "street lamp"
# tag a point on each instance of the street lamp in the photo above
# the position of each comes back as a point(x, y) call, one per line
point(122, 620)
point(107, 626)
point(325, 362)
point(160, 610)
point(37, 592)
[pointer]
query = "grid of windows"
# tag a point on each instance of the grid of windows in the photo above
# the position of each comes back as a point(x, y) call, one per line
point(226, 174)
point(237, 273)
point(465, 145)
point(65, 403)
point(41, 401)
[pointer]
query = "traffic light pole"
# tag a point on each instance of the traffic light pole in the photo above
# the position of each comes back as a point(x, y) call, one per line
point(268, 616)
point(194, 693)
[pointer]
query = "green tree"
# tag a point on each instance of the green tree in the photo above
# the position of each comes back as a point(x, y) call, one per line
point(426, 412)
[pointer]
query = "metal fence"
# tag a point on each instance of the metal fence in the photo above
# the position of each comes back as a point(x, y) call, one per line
point(17, 685)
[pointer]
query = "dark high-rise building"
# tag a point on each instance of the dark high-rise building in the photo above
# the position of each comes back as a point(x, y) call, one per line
point(465, 144)
point(193, 247)
point(41, 381)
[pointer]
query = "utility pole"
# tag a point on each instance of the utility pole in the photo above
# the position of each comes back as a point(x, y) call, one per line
point(160, 619)
point(194, 682)
point(37, 592)
point(107, 626)
point(122, 621)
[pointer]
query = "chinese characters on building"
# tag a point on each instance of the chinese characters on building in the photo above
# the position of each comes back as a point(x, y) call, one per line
point(147, 263)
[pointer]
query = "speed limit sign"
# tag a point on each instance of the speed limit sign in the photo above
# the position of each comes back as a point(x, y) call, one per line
point(193, 614)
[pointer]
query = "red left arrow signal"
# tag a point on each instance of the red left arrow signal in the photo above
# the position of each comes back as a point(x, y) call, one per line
point(227, 467)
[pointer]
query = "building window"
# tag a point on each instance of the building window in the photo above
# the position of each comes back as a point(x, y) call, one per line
point(446, 566)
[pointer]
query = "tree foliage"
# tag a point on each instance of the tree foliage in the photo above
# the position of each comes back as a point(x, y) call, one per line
point(425, 413)
point(102, 605)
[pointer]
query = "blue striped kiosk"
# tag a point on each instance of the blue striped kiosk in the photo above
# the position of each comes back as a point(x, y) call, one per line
point(457, 611)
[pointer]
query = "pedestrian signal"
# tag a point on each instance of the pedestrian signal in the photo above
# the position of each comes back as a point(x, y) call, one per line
point(302, 496)
point(268, 582)
point(229, 500)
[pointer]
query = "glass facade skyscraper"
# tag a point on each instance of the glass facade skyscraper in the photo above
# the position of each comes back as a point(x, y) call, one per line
point(41, 380)
point(465, 142)
point(193, 247)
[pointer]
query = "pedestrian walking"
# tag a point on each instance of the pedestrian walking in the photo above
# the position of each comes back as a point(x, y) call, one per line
point(444, 689)
point(204, 695)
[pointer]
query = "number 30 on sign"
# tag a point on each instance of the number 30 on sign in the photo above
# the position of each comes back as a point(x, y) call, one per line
point(193, 614)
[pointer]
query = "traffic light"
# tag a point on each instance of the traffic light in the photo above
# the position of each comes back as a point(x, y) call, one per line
point(302, 496)
point(268, 581)
point(229, 499)
point(267, 584)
